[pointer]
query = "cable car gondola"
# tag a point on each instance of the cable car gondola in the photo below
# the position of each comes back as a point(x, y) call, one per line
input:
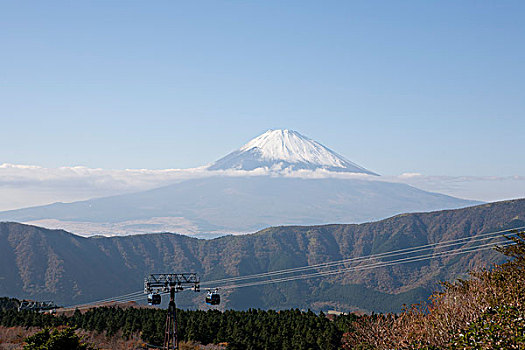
point(213, 297)
point(154, 299)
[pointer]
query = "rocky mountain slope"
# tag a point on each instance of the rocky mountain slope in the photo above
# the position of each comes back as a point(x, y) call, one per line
point(54, 264)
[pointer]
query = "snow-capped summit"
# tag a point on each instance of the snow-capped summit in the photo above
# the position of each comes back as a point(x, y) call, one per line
point(281, 149)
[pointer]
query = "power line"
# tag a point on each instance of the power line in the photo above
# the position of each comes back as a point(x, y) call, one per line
point(369, 266)
point(411, 250)
point(122, 298)
point(416, 258)
point(366, 257)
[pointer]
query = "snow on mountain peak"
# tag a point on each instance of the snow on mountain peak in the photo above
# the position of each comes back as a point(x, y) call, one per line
point(290, 146)
point(286, 148)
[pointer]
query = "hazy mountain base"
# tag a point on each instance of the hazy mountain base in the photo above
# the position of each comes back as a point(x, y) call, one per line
point(220, 205)
point(45, 264)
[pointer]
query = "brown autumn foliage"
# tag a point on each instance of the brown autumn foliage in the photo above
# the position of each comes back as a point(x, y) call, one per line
point(485, 312)
point(12, 338)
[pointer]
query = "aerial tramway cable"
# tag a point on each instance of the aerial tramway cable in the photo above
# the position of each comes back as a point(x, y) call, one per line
point(366, 257)
point(420, 257)
point(131, 296)
point(366, 267)
point(438, 245)
point(121, 299)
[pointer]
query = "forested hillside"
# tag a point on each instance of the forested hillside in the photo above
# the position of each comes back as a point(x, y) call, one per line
point(52, 264)
point(484, 312)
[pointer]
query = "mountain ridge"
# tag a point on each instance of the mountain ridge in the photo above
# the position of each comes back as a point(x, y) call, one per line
point(53, 264)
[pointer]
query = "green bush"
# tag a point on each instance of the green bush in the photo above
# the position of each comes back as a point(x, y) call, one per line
point(65, 339)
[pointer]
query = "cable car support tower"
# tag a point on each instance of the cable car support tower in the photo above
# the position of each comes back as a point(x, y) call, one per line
point(171, 283)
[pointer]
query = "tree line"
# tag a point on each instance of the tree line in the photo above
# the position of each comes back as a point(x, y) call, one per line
point(250, 329)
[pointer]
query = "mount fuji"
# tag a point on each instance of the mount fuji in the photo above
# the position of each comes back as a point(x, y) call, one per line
point(286, 149)
point(235, 196)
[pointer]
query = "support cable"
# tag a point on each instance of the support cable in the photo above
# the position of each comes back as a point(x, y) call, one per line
point(411, 250)
point(369, 266)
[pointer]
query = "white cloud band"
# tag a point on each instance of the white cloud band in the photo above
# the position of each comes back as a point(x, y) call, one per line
point(29, 185)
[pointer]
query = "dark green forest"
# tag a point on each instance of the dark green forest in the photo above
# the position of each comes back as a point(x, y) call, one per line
point(251, 329)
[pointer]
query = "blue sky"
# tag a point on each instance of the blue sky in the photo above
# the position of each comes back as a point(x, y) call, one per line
point(435, 87)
